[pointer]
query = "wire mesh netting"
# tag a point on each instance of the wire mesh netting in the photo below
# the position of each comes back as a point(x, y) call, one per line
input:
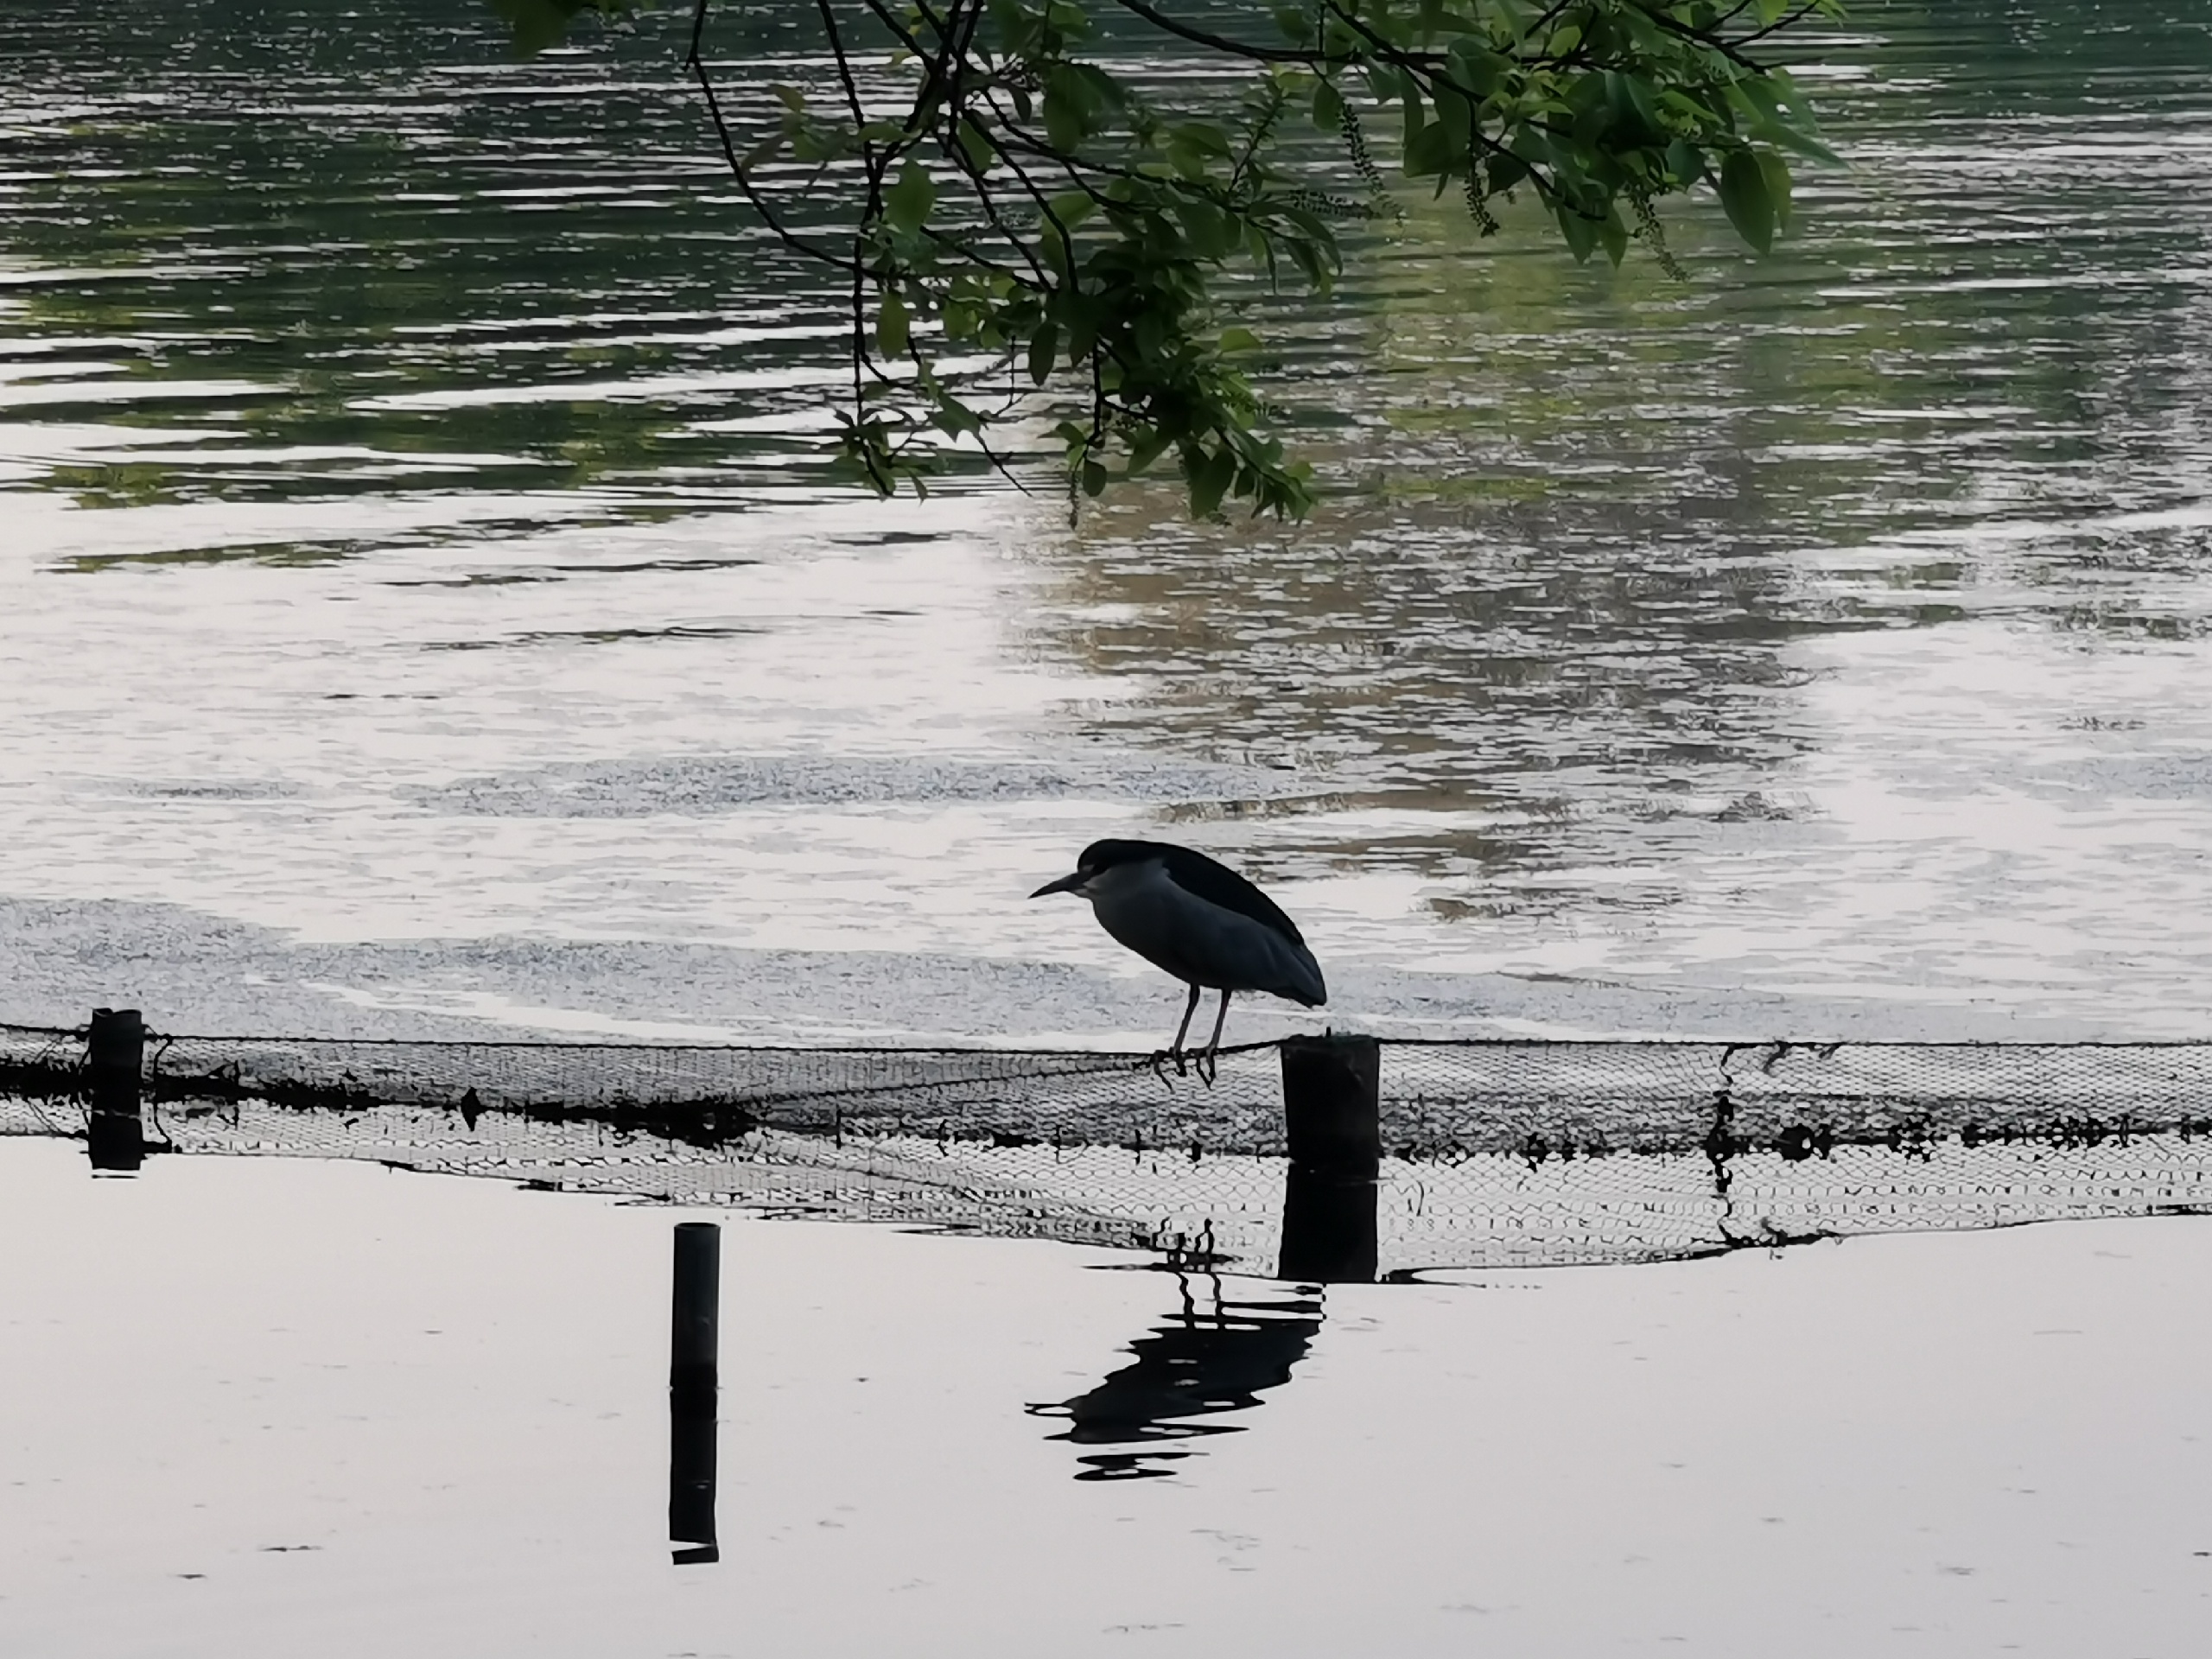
point(1496, 1153)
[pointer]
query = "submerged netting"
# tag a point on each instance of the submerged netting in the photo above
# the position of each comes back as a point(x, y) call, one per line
point(1496, 1153)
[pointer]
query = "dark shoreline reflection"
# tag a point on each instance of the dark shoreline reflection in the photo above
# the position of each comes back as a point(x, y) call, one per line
point(1214, 1356)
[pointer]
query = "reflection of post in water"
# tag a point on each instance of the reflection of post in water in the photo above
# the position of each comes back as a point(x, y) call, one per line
point(1215, 1357)
point(115, 1054)
point(693, 1381)
point(1332, 1102)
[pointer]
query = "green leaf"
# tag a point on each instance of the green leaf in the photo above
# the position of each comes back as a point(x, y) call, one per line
point(890, 326)
point(1094, 478)
point(1785, 137)
point(1328, 107)
point(906, 204)
point(1580, 230)
point(1044, 348)
point(976, 144)
point(1634, 111)
point(1082, 332)
point(1100, 89)
point(1456, 115)
point(1744, 193)
point(1434, 150)
point(1212, 233)
point(1612, 236)
point(955, 417)
point(1063, 120)
point(1072, 99)
point(1239, 340)
point(1149, 332)
point(1416, 122)
point(1204, 138)
point(1210, 478)
point(1071, 207)
point(1475, 67)
point(1776, 172)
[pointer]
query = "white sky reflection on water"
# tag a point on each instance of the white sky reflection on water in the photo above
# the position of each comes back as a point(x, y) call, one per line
point(429, 1414)
point(1985, 811)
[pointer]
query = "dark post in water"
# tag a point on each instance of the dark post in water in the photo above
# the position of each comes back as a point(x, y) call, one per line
point(1332, 1112)
point(693, 1379)
point(115, 1059)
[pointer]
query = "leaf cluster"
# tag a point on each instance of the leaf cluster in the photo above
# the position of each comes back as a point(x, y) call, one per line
point(1036, 228)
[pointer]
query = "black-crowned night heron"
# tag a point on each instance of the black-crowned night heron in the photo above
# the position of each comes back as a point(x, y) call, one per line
point(1198, 920)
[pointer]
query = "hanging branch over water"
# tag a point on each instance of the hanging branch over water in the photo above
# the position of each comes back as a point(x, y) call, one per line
point(1036, 227)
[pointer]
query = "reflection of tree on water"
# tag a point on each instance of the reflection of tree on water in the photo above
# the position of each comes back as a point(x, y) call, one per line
point(1217, 1356)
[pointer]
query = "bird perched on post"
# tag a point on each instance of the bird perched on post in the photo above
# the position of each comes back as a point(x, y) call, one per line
point(1198, 920)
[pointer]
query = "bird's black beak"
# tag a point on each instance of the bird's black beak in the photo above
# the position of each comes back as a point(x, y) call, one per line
point(1065, 884)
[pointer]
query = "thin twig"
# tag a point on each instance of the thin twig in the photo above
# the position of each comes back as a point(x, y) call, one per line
point(790, 239)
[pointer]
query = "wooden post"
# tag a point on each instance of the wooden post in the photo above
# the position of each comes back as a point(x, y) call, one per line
point(1332, 1104)
point(696, 1308)
point(693, 1376)
point(115, 1045)
point(115, 1060)
point(1332, 1114)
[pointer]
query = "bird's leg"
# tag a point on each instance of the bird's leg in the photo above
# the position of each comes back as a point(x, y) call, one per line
point(1175, 1048)
point(1209, 1059)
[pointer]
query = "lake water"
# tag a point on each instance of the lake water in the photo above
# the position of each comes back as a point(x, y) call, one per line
point(426, 607)
point(423, 609)
point(366, 1413)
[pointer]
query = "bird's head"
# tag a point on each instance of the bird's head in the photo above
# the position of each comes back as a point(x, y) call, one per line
point(1095, 860)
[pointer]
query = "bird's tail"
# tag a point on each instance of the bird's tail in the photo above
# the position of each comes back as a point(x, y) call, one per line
point(1304, 984)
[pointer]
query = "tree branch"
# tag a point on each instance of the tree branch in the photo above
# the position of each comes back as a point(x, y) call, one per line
point(783, 233)
point(1222, 43)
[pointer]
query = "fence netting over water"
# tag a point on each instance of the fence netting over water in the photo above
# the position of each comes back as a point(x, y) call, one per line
point(1496, 1153)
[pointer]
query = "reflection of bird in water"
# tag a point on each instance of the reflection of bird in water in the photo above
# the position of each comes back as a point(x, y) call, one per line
point(1203, 1364)
point(1198, 920)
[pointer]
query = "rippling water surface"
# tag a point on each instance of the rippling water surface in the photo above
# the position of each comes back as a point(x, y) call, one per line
point(425, 602)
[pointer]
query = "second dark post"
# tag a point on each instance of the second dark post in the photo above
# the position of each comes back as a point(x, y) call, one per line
point(115, 1061)
point(694, 1378)
point(1332, 1115)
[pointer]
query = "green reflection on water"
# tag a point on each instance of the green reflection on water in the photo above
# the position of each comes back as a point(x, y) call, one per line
point(348, 227)
point(1580, 516)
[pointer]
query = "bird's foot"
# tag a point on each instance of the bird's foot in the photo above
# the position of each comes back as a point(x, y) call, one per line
point(1162, 1057)
point(1207, 1062)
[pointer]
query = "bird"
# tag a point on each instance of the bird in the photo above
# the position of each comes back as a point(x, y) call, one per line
point(1197, 919)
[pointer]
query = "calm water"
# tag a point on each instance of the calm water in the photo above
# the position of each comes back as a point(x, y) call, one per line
point(368, 1413)
point(425, 603)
